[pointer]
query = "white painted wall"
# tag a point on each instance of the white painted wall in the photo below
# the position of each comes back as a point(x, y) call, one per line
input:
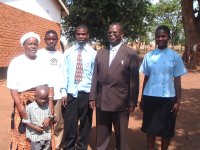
point(48, 9)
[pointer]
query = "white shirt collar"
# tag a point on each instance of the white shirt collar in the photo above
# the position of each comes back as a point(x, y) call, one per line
point(116, 47)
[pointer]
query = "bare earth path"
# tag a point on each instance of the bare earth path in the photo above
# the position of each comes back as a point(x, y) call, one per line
point(187, 127)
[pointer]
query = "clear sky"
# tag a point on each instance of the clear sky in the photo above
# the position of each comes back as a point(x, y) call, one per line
point(154, 1)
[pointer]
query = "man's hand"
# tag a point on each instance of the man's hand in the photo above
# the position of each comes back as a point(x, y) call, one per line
point(130, 109)
point(92, 104)
point(64, 101)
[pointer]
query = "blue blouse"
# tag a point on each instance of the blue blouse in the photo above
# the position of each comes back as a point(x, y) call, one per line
point(162, 66)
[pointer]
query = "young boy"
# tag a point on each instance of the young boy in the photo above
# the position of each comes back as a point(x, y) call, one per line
point(39, 120)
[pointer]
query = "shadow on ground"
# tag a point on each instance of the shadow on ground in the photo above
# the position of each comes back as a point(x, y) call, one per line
point(187, 127)
point(135, 138)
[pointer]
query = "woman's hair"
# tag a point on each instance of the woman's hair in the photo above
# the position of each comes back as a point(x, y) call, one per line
point(165, 28)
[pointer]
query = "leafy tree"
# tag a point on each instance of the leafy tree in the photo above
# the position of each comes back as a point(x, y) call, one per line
point(98, 14)
point(167, 12)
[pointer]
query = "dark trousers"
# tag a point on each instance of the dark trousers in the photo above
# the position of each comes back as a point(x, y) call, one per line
point(77, 110)
point(105, 119)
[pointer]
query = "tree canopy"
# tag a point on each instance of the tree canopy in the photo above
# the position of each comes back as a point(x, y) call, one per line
point(98, 14)
point(139, 17)
point(168, 12)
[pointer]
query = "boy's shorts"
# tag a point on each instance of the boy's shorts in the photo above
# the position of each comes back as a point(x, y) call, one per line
point(41, 145)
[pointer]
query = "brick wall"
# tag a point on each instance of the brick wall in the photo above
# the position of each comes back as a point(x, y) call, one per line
point(13, 24)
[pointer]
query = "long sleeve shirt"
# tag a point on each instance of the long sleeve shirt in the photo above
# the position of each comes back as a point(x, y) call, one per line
point(70, 59)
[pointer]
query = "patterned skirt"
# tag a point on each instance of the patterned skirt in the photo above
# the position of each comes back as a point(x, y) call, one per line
point(19, 141)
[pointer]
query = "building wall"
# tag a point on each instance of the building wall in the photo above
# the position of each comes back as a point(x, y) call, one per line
point(13, 24)
point(48, 9)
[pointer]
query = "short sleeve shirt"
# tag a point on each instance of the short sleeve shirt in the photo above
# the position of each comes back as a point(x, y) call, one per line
point(24, 73)
point(53, 62)
point(161, 66)
point(36, 116)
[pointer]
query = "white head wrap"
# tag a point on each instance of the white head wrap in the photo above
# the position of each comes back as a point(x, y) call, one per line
point(28, 35)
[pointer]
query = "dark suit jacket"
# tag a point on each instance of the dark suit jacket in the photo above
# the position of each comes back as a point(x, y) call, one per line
point(116, 86)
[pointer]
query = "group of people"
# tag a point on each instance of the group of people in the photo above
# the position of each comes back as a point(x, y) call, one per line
point(55, 94)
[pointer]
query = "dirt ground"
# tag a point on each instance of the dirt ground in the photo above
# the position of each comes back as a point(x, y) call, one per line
point(187, 127)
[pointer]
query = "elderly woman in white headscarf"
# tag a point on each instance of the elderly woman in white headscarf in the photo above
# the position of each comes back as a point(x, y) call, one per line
point(24, 74)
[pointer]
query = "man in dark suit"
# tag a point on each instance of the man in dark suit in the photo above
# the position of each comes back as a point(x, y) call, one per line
point(115, 88)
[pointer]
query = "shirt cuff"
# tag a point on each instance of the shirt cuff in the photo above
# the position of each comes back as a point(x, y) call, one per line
point(63, 92)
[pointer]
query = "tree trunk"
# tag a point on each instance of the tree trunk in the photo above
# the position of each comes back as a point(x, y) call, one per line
point(191, 24)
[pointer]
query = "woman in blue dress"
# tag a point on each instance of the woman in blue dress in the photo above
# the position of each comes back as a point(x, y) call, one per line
point(161, 95)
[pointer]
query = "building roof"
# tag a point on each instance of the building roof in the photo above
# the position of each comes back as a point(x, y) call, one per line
point(63, 8)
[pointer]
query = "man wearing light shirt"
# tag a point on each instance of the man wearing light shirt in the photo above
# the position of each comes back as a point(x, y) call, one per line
point(76, 104)
point(53, 61)
point(113, 52)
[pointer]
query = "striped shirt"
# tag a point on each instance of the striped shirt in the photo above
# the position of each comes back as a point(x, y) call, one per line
point(36, 116)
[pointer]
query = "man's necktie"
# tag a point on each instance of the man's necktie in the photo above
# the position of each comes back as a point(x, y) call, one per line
point(79, 68)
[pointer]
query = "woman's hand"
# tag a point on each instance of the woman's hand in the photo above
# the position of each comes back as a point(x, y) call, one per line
point(176, 106)
point(22, 111)
point(51, 105)
point(20, 107)
point(177, 84)
point(142, 104)
point(130, 109)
